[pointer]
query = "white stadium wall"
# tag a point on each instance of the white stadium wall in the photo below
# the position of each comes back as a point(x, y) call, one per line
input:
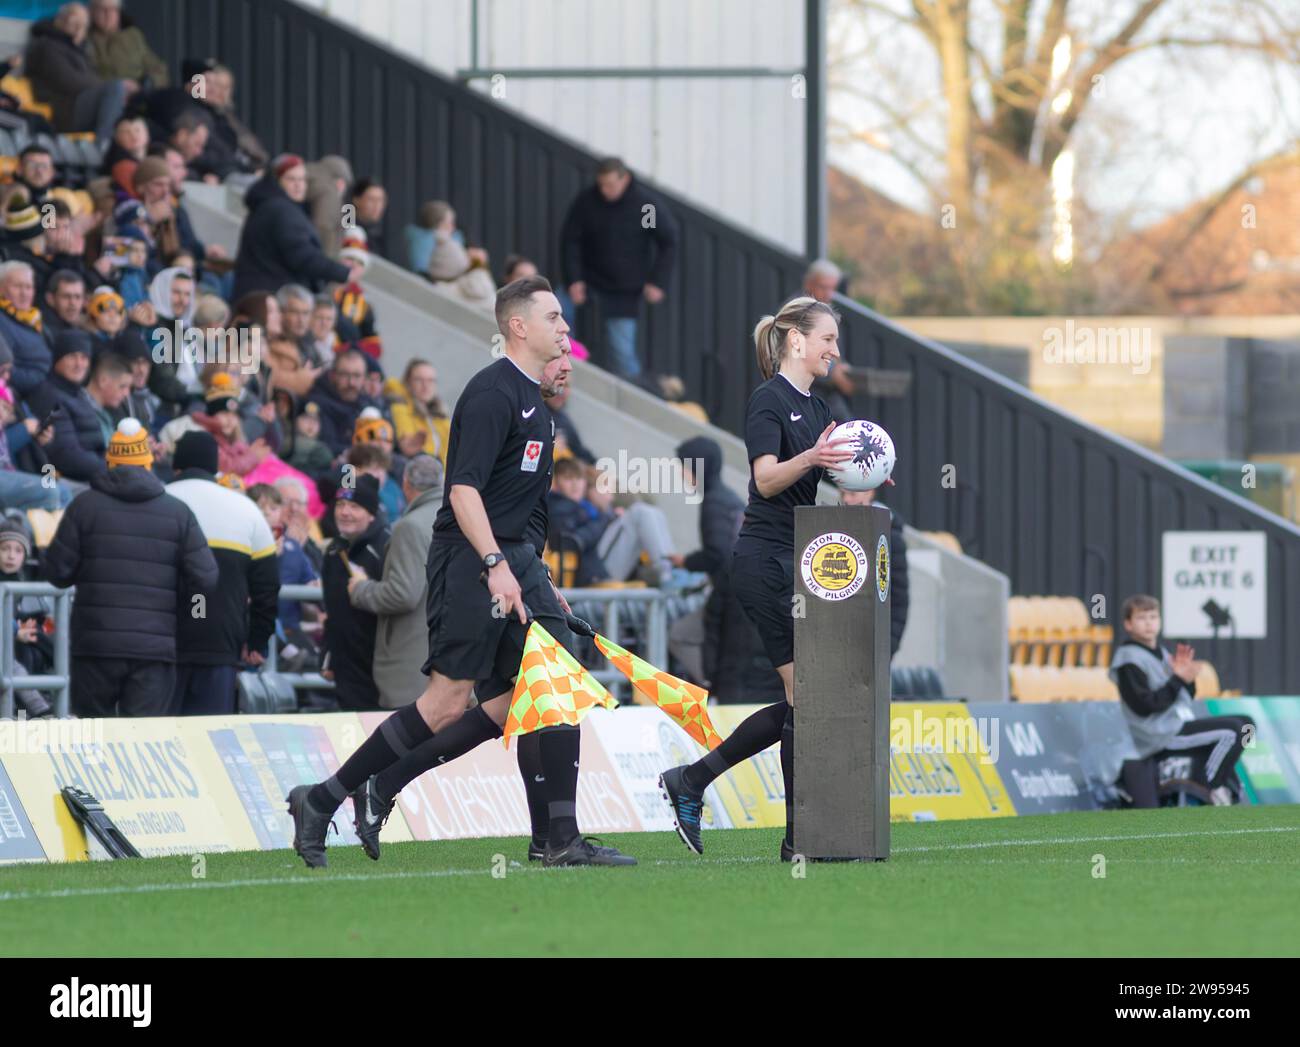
point(733, 145)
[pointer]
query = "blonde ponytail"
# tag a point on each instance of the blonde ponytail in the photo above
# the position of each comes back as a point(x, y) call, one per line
point(767, 346)
point(772, 332)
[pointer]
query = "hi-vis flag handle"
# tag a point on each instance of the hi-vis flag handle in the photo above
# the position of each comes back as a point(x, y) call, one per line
point(580, 626)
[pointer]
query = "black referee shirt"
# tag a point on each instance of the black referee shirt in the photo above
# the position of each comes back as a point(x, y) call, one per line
point(784, 422)
point(500, 444)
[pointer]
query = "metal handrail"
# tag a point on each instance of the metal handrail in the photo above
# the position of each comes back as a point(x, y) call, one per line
point(59, 682)
point(656, 630)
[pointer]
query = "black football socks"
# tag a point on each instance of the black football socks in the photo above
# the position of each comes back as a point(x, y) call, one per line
point(758, 731)
point(529, 752)
point(559, 749)
point(456, 739)
point(398, 735)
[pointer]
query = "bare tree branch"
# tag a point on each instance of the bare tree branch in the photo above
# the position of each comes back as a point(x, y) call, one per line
point(1211, 206)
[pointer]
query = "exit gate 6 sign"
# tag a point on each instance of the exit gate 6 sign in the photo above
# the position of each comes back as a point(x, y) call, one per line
point(1215, 574)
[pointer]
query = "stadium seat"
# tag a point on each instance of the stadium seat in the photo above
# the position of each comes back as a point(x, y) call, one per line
point(928, 686)
point(21, 88)
point(563, 562)
point(1207, 682)
point(1055, 631)
point(1047, 683)
point(1017, 630)
point(1101, 637)
point(946, 539)
point(1040, 616)
point(44, 523)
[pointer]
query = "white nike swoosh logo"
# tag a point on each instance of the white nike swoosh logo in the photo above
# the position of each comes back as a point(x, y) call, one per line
point(529, 412)
point(538, 778)
point(795, 417)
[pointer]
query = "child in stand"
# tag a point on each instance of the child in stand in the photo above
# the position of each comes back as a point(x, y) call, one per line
point(309, 455)
point(33, 615)
point(353, 308)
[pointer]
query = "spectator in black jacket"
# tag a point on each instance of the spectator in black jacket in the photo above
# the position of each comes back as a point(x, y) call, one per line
point(37, 172)
point(371, 201)
point(897, 566)
point(350, 632)
point(65, 302)
point(734, 667)
point(78, 448)
point(206, 91)
point(24, 239)
point(129, 548)
point(617, 246)
point(189, 239)
point(63, 75)
point(239, 612)
point(338, 395)
point(278, 244)
point(22, 327)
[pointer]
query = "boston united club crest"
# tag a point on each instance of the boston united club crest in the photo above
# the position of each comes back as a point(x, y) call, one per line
point(834, 566)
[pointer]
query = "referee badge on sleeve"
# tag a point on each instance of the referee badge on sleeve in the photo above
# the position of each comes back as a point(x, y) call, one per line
point(532, 455)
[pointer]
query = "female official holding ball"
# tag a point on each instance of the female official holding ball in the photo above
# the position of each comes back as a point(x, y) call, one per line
point(787, 437)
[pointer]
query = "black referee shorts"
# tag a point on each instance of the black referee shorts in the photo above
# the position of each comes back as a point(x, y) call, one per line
point(764, 585)
point(466, 642)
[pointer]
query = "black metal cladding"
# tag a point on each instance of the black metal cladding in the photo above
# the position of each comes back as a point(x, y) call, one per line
point(1061, 507)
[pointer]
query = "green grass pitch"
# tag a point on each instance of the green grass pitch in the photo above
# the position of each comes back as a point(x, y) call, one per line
point(1199, 881)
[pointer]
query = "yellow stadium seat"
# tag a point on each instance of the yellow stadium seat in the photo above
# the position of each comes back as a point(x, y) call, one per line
point(564, 566)
point(1091, 684)
point(44, 523)
point(1047, 683)
point(1101, 637)
point(1031, 683)
point(946, 539)
point(1207, 682)
point(1074, 627)
point(1040, 616)
point(21, 88)
point(78, 200)
point(1018, 630)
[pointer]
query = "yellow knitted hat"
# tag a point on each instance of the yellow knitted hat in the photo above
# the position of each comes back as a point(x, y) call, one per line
point(371, 427)
point(130, 445)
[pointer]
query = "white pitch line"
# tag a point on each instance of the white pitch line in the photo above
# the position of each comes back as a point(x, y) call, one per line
point(516, 868)
point(1095, 839)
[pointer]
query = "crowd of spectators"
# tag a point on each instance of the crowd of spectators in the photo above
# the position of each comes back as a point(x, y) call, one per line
point(193, 430)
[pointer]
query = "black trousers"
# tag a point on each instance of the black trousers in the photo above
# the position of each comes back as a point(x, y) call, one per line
point(1214, 743)
point(121, 687)
point(204, 690)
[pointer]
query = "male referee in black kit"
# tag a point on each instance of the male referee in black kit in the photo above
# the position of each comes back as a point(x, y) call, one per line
point(498, 473)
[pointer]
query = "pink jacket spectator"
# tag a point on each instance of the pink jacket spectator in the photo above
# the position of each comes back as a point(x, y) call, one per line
point(272, 468)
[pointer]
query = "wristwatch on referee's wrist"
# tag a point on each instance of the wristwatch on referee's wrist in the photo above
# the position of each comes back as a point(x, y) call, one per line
point(492, 559)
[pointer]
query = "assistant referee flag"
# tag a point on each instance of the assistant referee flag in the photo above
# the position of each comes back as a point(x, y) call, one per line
point(552, 689)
